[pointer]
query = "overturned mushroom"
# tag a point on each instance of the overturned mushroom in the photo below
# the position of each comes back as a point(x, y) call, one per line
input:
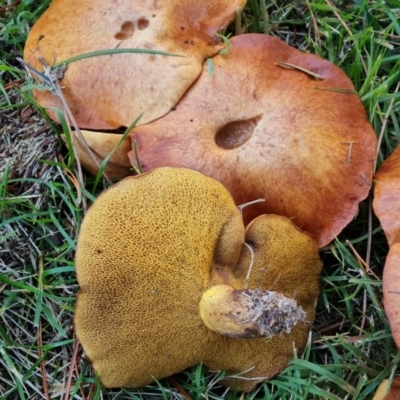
point(272, 122)
point(164, 272)
point(112, 90)
point(387, 208)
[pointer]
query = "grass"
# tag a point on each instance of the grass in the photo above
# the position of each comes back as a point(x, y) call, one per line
point(350, 350)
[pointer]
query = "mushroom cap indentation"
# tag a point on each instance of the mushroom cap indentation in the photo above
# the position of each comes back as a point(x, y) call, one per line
point(143, 23)
point(126, 31)
point(235, 133)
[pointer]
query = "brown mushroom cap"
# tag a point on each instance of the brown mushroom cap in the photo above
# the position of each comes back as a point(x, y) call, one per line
point(387, 196)
point(149, 249)
point(109, 91)
point(267, 131)
point(387, 208)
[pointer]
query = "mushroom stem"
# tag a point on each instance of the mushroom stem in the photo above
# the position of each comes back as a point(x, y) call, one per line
point(249, 313)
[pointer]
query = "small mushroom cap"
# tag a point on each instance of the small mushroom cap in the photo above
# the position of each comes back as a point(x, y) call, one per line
point(387, 208)
point(102, 144)
point(268, 131)
point(110, 91)
point(150, 247)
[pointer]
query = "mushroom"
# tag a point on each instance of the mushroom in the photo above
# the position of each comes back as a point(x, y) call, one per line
point(386, 205)
point(387, 196)
point(104, 145)
point(112, 90)
point(165, 283)
point(276, 123)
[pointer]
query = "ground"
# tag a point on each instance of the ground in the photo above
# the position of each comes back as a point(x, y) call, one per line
point(350, 350)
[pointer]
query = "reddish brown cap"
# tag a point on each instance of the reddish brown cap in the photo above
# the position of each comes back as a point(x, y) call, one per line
point(267, 130)
point(387, 208)
point(109, 91)
point(387, 196)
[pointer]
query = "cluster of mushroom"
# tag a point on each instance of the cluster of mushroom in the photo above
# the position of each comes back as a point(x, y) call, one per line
point(166, 254)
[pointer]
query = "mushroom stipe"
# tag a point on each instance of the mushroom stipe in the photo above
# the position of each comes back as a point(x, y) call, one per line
point(165, 254)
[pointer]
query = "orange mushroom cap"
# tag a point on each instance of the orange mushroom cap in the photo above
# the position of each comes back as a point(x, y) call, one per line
point(270, 131)
point(110, 91)
point(155, 255)
point(387, 196)
point(386, 205)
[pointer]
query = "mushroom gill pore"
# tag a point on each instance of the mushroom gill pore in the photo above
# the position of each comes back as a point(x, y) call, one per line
point(155, 252)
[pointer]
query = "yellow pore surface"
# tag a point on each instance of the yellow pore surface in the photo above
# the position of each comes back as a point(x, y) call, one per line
point(147, 251)
point(144, 256)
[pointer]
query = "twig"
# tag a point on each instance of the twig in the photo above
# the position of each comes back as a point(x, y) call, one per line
point(75, 348)
point(297, 68)
point(14, 84)
point(75, 182)
point(333, 327)
point(315, 25)
point(249, 204)
point(42, 363)
point(387, 34)
point(40, 339)
point(348, 158)
point(9, 7)
point(246, 282)
point(361, 262)
point(179, 388)
point(75, 361)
